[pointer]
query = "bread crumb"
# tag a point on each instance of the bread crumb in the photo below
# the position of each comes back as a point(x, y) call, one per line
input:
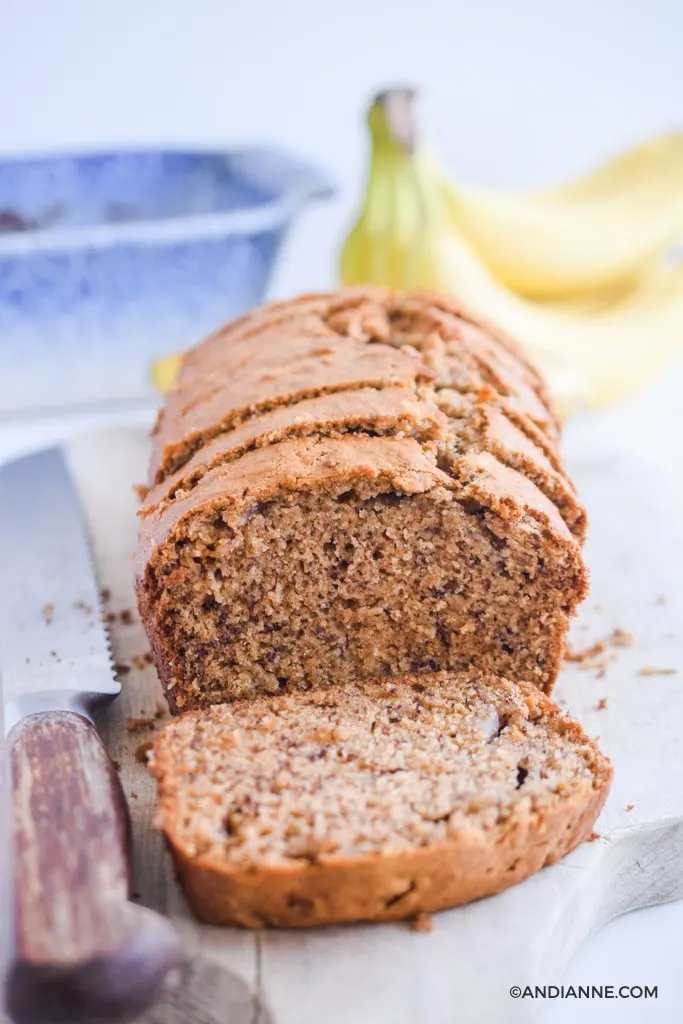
point(141, 661)
point(602, 704)
point(122, 669)
point(139, 723)
point(629, 807)
point(592, 837)
point(133, 795)
point(126, 617)
point(594, 657)
point(105, 594)
point(622, 638)
point(117, 764)
point(649, 670)
point(48, 613)
point(587, 653)
point(142, 750)
point(422, 922)
point(141, 491)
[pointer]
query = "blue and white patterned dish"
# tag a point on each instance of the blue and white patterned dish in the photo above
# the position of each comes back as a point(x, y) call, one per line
point(109, 260)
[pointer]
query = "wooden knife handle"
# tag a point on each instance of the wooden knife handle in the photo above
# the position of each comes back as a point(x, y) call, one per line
point(81, 950)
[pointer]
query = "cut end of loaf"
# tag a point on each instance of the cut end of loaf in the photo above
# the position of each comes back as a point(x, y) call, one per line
point(362, 559)
point(355, 484)
point(374, 800)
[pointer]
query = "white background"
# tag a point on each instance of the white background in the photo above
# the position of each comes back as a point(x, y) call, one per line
point(513, 92)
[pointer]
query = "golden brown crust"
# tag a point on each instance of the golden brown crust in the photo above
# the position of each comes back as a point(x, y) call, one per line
point(297, 465)
point(303, 371)
point(392, 411)
point(253, 353)
point(391, 884)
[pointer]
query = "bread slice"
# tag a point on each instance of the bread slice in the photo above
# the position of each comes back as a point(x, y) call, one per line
point(374, 801)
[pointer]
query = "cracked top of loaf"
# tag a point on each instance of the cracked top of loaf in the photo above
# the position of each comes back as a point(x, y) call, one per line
point(361, 361)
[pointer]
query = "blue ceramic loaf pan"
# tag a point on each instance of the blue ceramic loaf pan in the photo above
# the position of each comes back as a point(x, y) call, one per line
point(109, 260)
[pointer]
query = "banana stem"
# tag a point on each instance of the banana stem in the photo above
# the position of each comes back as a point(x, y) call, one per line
point(392, 118)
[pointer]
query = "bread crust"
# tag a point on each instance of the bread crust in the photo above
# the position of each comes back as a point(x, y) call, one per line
point(371, 888)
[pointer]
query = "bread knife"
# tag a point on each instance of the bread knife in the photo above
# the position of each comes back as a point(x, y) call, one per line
point(79, 949)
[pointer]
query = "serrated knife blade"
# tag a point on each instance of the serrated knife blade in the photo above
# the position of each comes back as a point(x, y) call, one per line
point(80, 949)
point(54, 649)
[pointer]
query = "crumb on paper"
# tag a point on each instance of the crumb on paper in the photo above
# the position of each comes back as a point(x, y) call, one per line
point(125, 617)
point(137, 724)
point(48, 613)
point(592, 837)
point(602, 704)
point(142, 751)
point(585, 654)
point(141, 491)
point(117, 764)
point(141, 661)
point(82, 606)
point(105, 594)
point(422, 922)
point(630, 807)
point(122, 669)
point(133, 795)
point(598, 656)
point(650, 670)
point(622, 638)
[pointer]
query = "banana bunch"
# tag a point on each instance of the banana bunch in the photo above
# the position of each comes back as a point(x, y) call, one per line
point(577, 273)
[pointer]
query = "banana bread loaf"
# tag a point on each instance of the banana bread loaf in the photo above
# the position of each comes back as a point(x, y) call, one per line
point(355, 485)
point(372, 801)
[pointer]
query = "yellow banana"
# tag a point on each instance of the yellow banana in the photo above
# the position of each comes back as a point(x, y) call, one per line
point(405, 237)
point(165, 371)
point(594, 233)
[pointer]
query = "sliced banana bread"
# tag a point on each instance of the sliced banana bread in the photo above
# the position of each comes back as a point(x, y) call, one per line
point(354, 485)
point(372, 801)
